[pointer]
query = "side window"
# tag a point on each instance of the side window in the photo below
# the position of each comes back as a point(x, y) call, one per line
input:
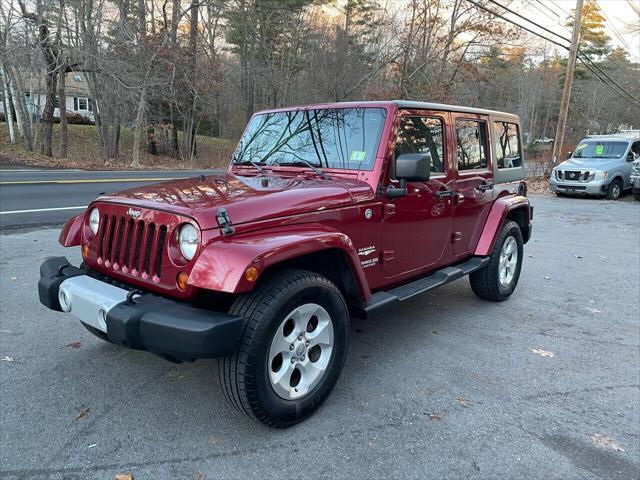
point(471, 144)
point(422, 135)
point(507, 145)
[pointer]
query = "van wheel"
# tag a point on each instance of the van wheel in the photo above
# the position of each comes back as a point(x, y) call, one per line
point(292, 350)
point(636, 196)
point(615, 190)
point(499, 278)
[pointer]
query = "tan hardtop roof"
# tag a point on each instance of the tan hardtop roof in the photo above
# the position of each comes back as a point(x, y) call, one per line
point(449, 108)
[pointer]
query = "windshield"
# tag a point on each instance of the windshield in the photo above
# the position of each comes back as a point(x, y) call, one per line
point(345, 138)
point(595, 149)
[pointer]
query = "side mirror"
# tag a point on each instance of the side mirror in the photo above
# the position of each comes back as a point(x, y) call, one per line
point(631, 157)
point(410, 167)
point(569, 153)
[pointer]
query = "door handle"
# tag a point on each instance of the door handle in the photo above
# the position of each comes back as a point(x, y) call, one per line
point(445, 193)
point(484, 186)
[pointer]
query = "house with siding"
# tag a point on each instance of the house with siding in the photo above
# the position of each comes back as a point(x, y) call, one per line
point(78, 99)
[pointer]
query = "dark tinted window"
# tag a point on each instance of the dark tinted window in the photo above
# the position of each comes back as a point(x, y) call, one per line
point(507, 145)
point(471, 143)
point(422, 135)
point(335, 138)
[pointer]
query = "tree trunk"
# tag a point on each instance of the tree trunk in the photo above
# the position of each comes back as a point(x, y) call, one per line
point(51, 81)
point(24, 128)
point(6, 103)
point(138, 130)
point(62, 107)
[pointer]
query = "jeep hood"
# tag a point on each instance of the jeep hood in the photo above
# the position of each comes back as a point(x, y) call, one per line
point(246, 198)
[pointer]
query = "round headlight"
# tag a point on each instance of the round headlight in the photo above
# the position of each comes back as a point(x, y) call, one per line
point(188, 241)
point(94, 220)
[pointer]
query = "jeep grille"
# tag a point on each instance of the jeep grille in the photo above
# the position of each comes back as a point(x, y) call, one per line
point(131, 245)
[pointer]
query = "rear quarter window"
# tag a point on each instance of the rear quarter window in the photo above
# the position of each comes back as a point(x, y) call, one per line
point(507, 154)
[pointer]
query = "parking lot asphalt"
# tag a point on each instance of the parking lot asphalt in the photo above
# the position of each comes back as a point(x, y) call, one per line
point(545, 385)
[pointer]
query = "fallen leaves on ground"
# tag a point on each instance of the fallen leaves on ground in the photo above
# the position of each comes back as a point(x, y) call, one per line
point(83, 414)
point(436, 416)
point(593, 310)
point(124, 476)
point(199, 475)
point(542, 353)
point(7, 359)
point(606, 442)
point(213, 440)
point(13, 279)
point(464, 401)
point(75, 345)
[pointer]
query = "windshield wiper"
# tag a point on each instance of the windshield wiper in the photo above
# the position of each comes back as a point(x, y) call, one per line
point(250, 162)
point(302, 161)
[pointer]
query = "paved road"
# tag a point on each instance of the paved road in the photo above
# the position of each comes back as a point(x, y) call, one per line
point(49, 197)
point(444, 386)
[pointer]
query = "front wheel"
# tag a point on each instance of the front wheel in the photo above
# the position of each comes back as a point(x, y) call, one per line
point(615, 190)
point(292, 351)
point(499, 278)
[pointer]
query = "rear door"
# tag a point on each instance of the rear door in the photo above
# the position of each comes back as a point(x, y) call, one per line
point(473, 180)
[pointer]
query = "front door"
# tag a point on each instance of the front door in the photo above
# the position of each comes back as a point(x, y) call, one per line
point(416, 229)
point(474, 181)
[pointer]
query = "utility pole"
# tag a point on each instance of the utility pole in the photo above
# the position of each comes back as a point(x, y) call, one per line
point(568, 80)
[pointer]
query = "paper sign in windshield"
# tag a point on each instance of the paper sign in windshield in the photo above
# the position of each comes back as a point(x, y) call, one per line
point(599, 149)
point(357, 156)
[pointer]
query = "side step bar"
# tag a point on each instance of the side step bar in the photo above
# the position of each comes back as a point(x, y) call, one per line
point(437, 278)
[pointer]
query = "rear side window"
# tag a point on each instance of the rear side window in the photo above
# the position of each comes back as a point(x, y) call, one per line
point(507, 145)
point(422, 135)
point(471, 144)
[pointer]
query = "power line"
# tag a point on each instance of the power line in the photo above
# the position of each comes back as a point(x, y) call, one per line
point(568, 14)
point(569, 41)
point(555, 20)
point(619, 90)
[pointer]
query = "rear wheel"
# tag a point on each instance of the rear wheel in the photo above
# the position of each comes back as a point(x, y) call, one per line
point(615, 189)
point(636, 195)
point(499, 278)
point(292, 351)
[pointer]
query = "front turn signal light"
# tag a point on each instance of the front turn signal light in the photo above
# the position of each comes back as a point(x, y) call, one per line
point(251, 274)
point(182, 280)
point(85, 251)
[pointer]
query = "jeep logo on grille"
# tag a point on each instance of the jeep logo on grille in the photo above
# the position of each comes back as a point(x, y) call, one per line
point(134, 213)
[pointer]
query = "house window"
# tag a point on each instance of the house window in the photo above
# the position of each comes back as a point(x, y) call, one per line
point(471, 139)
point(507, 142)
point(77, 77)
point(81, 104)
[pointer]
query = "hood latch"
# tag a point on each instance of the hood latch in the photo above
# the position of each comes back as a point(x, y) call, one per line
point(224, 221)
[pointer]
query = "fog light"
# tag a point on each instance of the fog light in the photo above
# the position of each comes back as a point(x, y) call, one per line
point(64, 301)
point(251, 274)
point(182, 280)
point(85, 251)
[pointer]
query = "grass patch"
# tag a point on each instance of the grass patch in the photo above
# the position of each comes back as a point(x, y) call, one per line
point(85, 152)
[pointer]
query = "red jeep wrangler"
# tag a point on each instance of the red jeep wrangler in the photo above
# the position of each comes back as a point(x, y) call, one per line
point(325, 211)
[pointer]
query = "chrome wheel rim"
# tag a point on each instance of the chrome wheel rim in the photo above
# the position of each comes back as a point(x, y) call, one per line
point(508, 261)
point(300, 351)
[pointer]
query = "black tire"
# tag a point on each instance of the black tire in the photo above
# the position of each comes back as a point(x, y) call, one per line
point(615, 189)
point(486, 283)
point(636, 196)
point(244, 375)
point(560, 194)
point(98, 333)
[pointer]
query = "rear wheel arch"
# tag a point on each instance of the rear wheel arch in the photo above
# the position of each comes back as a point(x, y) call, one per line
point(520, 216)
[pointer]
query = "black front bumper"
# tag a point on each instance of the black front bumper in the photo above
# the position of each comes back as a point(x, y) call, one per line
point(172, 329)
